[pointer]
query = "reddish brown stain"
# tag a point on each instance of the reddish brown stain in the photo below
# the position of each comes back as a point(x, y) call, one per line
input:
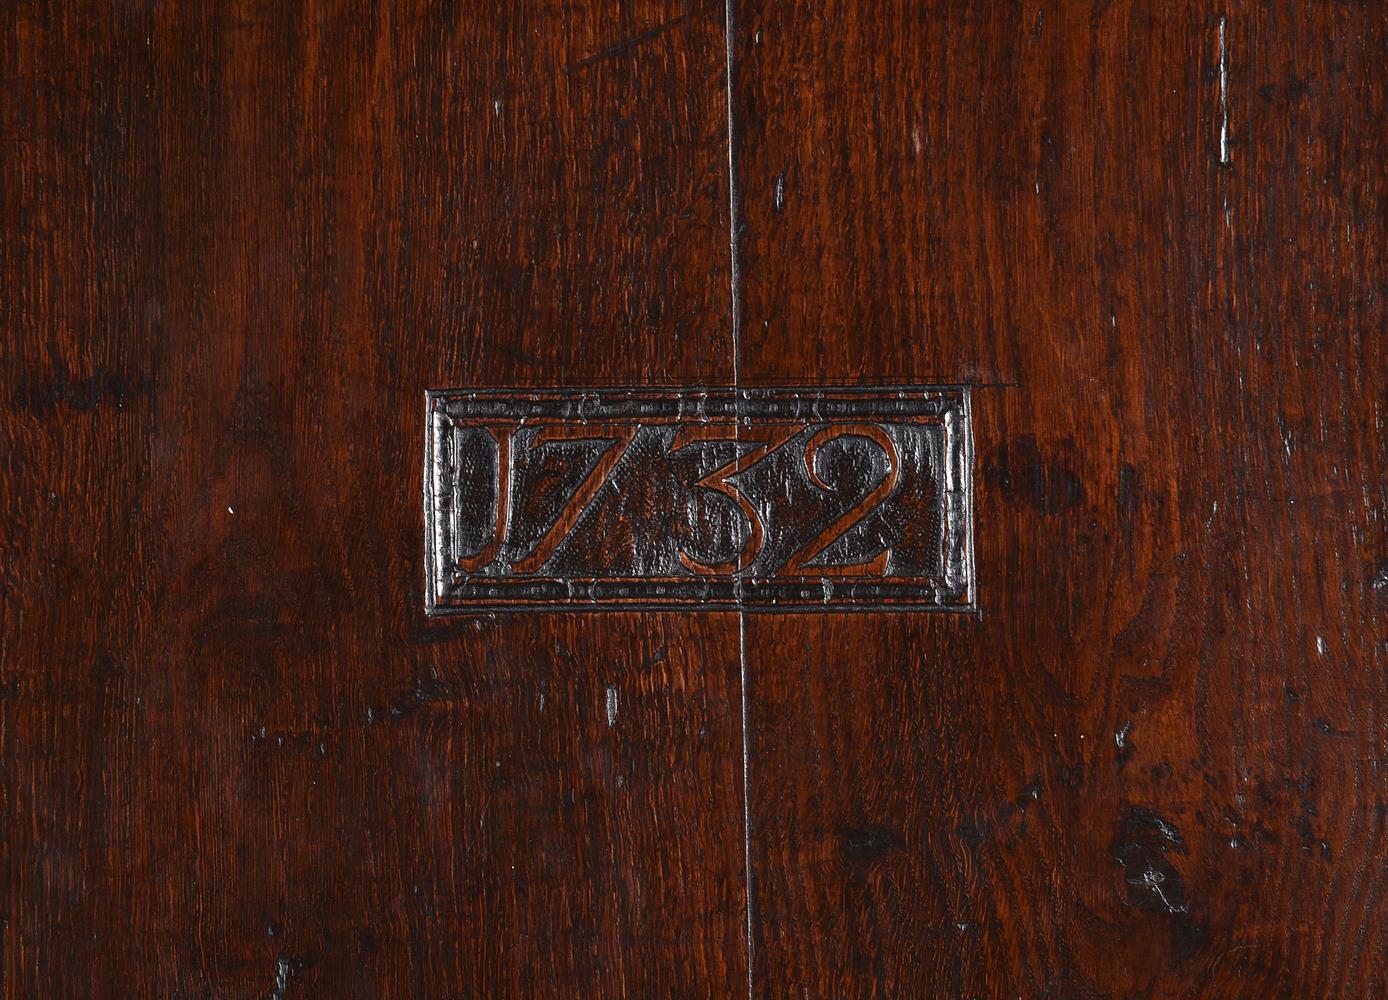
point(240, 240)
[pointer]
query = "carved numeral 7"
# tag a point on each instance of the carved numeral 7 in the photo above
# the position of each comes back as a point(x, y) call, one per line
point(621, 437)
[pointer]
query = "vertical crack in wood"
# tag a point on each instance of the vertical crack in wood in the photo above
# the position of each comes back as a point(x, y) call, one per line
point(734, 305)
point(746, 794)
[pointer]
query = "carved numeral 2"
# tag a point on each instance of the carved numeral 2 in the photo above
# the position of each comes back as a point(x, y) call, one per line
point(799, 563)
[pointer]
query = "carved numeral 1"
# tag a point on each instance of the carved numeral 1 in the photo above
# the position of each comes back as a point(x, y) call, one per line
point(483, 559)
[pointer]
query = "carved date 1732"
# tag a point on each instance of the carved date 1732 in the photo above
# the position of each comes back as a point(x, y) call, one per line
point(751, 498)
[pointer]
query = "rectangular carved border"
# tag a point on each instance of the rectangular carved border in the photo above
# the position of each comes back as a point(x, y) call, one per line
point(950, 405)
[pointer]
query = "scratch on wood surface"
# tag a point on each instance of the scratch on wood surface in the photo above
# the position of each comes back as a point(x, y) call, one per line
point(1223, 96)
point(632, 42)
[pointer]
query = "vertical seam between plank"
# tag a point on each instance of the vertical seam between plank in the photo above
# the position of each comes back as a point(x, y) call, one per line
point(734, 305)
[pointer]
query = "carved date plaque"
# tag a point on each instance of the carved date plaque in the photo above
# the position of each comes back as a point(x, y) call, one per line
point(758, 499)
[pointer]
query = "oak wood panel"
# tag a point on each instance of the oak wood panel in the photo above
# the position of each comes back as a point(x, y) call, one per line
point(240, 241)
point(1152, 766)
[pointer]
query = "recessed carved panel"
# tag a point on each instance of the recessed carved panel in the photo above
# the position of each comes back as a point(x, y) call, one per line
point(759, 499)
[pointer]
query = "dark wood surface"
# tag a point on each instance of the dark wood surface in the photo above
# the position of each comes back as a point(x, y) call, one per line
point(241, 239)
point(1153, 765)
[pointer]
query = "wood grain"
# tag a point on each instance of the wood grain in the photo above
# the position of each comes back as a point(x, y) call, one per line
point(1153, 765)
point(241, 240)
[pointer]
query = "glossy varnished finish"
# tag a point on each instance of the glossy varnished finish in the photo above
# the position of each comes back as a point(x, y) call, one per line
point(242, 239)
point(1153, 765)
